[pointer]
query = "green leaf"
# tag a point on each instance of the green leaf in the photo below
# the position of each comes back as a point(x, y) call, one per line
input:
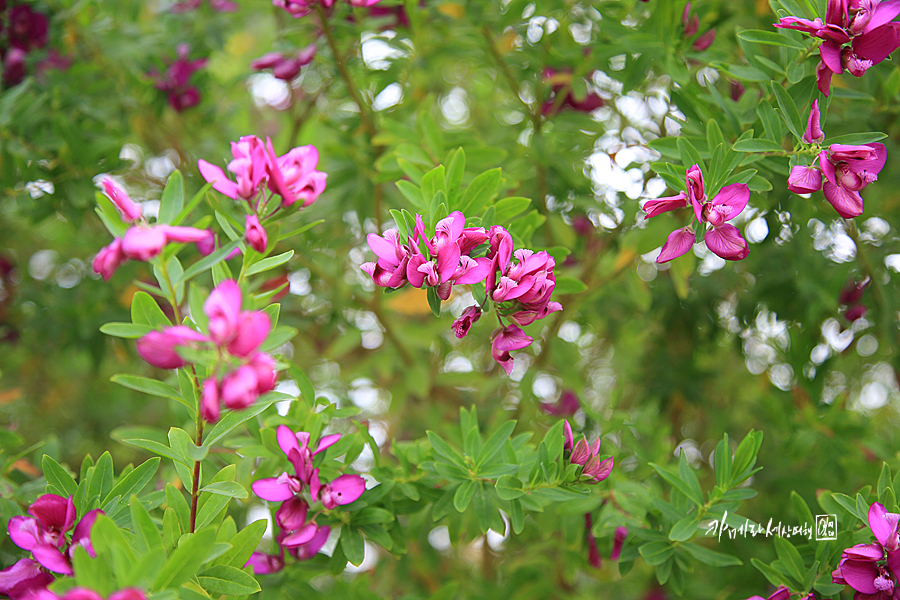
point(185, 560)
point(208, 262)
point(233, 420)
point(772, 574)
point(480, 191)
point(789, 111)
point(434, 301)
point(135, 481)
point(146, 534)
point(463, 496)
point(352, 544)
point(656, 553)
point(494, 443)
point(412, 193)
point(757, 145)
point(57, 476)
point(146, 311)
point(456, 168)
point(105, 537)
point(228, 581)
point(678, 484)
point(509, 488)
point(855, 139)
point(226, 488)
point(722, 462)
point(507, 208)
point(689, 154)
point(125, 330)
point(243, 544)
point(172, 200)
point(569, 285)
point(884, 481)
point(771, 38)
point(711, 557)
point(443, 449)
point(684, 529)
point(432, 183)
point(148, 386)
point(790, 558)
point(269, 263)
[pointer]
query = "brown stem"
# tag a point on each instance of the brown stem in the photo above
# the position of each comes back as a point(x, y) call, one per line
point(345, 74)
point(195, 486)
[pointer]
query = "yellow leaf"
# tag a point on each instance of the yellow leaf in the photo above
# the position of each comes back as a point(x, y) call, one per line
point(411, 301)
point(452, 10)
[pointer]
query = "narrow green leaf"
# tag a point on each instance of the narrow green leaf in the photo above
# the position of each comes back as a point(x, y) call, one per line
point(148, 386)
point(855, 139)
point(135, 481)
point(227, 580)
point(57, 476)
point(790, 558)
point(789, 111)
point(208, 262)
point(226, 488)
point(884, 481)
point(771, 38)
point(463, 496)
point(146, 311)
point(711, 557)
point(269, 263)
point(351, 543)
point(494, 443)
point(509, 488)
point(684, 529)
point(185, 560)
point(172, 201)
point(434, 301)
point(480, 191)
point(146, 534)
point(757, 145)
point(125, 330)
point(243, 544)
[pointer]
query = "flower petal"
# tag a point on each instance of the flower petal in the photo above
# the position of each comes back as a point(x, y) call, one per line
point(677, 244)
point(216, 176)
point(847, 203)
point(726, 241)
point(270, 489)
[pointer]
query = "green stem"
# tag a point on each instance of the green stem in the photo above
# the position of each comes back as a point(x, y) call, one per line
point(195, 487)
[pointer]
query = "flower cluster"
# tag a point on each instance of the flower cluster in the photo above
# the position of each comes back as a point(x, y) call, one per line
point(519, 283)
point(691, 24)
point(857, 34)
point(241, 373)
point(872, 569)
point(293, 176)
point(301, 536)
point(285, 67)
point(847, 169)
point(26, 31)
point(722, 238)
point(851, 299)
point(44, 534)
point(174, 82)
point(301, 8)
point(142, 241)
point(588, 456)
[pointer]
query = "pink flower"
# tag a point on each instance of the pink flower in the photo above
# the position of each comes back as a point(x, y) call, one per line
point(813, 131)
point(805, 180)
point(175, 81)
point(239, 388)
point(158, 347)
point(506, 339)
point(782, 593)
point(250, 166)
point(241, 332)
point(45, 535)
point(469, 316)
point(659, 206)
point(126, 206)
point(263, 563)
point(285, 67)
point(23, 578)
point(293, 176)
point(209, 401)
point(343, 490)
point(567, 404)
point(109, 259)
point(849, 169)
point(677, 244)
point(618, 539)
point(705, 41)
point(724, 239)
point(255, 234)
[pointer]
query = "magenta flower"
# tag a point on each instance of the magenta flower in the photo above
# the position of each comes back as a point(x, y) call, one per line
point(79, 593)
point(301, 8)
point(263, 563)
point(302, 538)
point(587, 455)
point(568, 404)
point(174, 82)
point(209, 401)
point(27, 28)
point(872, 569)
point(249, 166)
point(506, 339)
point(805, 180)
point(618, 540)
point(293, 176)
point(255, 234)
point(847, 170)
point(44, 535)
point(560, 82)
point(866, 25)
point(462, 325)
point(722, 238)
point(158, 347)
point(705, 41)
point(285, 67)
point(24, 578)
point(129, 210)
point(241, 332)
point(143, 243)
point(813, 133)
point(782, 593)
